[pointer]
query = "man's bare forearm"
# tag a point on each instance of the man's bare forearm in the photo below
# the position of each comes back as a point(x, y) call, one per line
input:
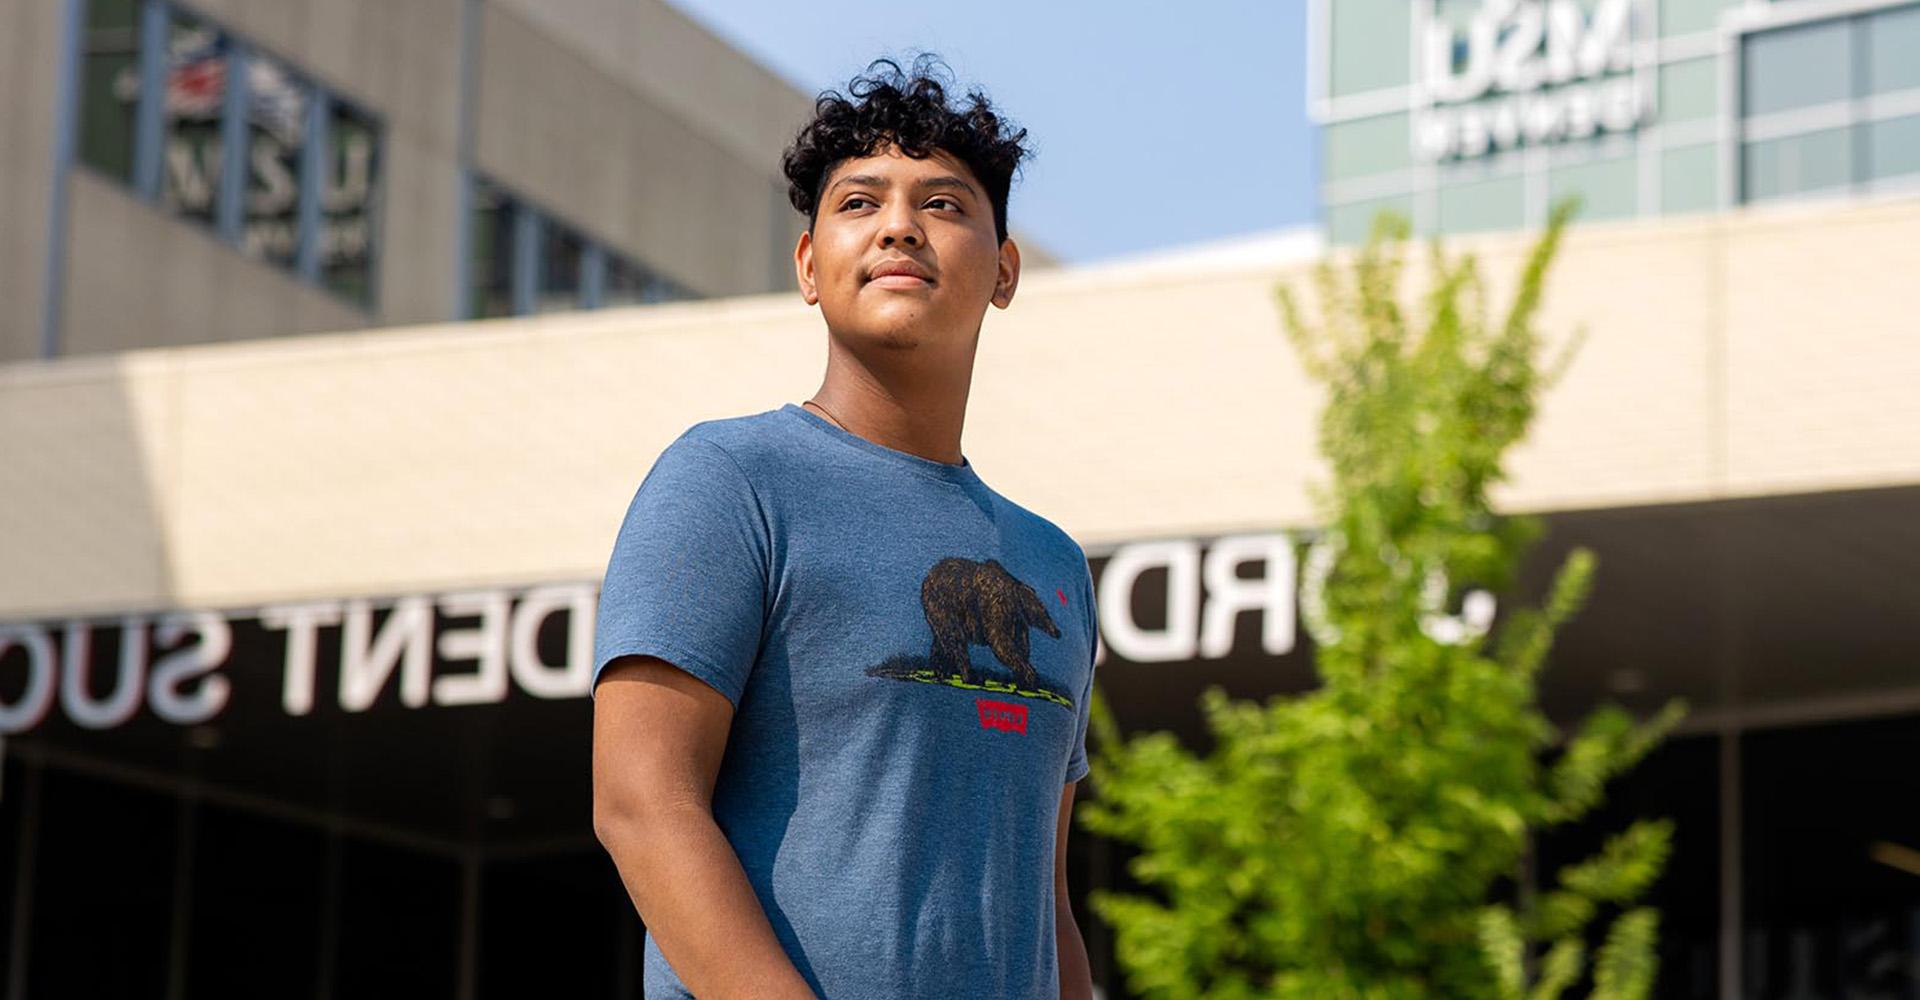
point(1076, 973)
point(694, 897)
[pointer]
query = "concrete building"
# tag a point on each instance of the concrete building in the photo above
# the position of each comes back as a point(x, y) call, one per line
point(294, 632)
point(174, 171)
point(1796, 875)
point(218, 536)
point(1475, 115)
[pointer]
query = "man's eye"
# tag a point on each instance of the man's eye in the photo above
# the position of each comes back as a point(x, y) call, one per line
point(849, 202)
point(949, 201)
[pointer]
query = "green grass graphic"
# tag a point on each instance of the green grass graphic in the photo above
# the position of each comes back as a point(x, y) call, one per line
point(914, 668)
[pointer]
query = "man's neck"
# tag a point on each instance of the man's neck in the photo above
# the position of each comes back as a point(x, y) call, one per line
point(904, 411)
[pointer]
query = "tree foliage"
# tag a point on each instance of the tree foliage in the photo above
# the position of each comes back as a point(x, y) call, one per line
point(1372, 838)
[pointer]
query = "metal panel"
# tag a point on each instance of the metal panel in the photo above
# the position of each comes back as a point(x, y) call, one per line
point(65, 134)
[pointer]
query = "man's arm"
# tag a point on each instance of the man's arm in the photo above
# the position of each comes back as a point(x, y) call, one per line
point(1076, 973)
point(659, 734)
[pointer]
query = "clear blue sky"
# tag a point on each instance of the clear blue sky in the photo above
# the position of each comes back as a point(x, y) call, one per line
point(1154, 123)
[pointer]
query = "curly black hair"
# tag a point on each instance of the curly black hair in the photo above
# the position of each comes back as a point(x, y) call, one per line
point(907, 109)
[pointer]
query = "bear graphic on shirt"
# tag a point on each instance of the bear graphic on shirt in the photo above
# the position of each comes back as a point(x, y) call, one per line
point(969, 603)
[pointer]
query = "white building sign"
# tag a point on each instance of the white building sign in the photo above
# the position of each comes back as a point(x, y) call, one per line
point(341, 657)
point(1528, 73)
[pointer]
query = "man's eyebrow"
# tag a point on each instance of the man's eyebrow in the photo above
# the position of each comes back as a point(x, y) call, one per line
point(938, 180)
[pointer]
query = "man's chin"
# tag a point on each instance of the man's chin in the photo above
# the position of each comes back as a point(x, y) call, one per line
point(886, 332)
point(884, 318)
point(904, 337)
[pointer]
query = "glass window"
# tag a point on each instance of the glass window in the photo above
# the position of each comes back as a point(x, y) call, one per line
point(349, 211)
point(558, 911)
point(490, 267)
point(1369, 42)
point(557, 262)
point(1814, 161)
point(1367, 146)
point(1497, 203)
point(1686, 17)
point(13, 791)
point(1799, 67)
point(1679, 782)
point(258, 892)
point(629, 284)
point(204, 71)
point(1893, 147)
point(626, 283)
point(102, 889)
point(399, 923)
point(1350, 223)
point(276, 133)
point(110, 86)
point(1893, 42)
point(560, 253)
point(1689, 90)
point(1690, 179)
point(196, 88)
point(1609, 189)
point(1830, 854)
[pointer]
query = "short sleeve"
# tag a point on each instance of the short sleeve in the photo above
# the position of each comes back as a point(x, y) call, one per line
point(1077, 764)
point(687, 580)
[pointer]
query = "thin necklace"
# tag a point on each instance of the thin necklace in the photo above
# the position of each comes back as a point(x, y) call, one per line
point(829, 416)
point(837, 423)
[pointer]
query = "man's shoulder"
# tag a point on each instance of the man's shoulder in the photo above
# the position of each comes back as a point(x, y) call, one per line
point(1040, 528)
point(751, 440)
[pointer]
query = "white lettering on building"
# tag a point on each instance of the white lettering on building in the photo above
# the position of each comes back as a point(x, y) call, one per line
point(1204, 597)
point(1534, 72)
point(170, 695)
point(408, 656)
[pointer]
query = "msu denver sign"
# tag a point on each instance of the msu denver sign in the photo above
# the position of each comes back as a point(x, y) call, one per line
point(1528, 72)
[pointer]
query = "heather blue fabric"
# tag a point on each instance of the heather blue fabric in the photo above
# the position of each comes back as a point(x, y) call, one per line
point(896, 822)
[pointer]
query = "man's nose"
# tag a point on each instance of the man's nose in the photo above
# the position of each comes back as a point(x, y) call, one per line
point(900, 227)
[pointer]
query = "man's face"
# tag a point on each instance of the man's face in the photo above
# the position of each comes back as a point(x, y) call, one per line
point(928, 216)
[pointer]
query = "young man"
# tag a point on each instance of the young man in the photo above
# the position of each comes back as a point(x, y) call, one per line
point(841, 700)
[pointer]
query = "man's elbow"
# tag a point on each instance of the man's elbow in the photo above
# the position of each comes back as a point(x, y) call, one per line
point(617, 819)
point(610, 826)
point(625, 815)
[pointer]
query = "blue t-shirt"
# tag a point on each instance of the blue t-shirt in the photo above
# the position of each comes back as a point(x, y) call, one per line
point(909, 656)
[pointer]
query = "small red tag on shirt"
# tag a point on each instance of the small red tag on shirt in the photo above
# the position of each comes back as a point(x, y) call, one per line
point(1005, 716)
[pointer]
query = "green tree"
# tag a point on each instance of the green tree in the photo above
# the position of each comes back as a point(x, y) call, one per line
point(1372, 837)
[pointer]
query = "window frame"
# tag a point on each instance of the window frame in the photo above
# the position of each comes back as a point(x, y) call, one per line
point(153, 24)
point(1856, 113)
point(530, 225)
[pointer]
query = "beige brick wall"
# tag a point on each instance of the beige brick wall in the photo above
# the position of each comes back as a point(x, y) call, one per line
point(1749, 354)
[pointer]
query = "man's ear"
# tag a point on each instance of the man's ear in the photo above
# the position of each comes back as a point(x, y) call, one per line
point(803, 267)
point(1009, 278)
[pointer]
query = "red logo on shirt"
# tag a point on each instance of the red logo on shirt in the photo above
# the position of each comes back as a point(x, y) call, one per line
point(1002, 715)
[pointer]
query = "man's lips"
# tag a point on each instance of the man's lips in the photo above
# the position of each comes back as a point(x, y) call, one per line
point(900, 274)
